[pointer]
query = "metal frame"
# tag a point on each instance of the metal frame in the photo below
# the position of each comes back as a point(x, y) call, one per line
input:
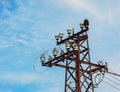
point(77, 64)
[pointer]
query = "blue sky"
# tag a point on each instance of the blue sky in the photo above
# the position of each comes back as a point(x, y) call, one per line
point(27, 28)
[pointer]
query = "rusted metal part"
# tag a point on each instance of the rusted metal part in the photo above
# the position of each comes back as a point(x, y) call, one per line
point(76, 61)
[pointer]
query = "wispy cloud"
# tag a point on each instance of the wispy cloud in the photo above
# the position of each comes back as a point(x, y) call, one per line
point(102, 10)
point(21, 26)
point(28, 26)
point(26, 20)
point(21, 78)
point(18, 78)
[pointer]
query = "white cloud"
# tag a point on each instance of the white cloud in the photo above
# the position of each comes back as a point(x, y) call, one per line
point(102, 10)
point(5, 44)
point(18, 78)
point(27, 19)
point(24, 78)
point(24, 26)
point(21, 78)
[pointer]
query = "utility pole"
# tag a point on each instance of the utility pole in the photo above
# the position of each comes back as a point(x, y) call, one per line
point(75, 59)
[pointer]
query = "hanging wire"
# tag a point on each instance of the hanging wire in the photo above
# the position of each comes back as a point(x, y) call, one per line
point(100, 77)
point(46, 52)
point(113, 73)
point(113, 76)
point(43, 68)
point(112, 81)
point(111, 85)
point(34, 66)
point(40, 66)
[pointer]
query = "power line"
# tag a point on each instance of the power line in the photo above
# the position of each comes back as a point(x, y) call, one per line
point(113, 77)
point(113, 73)
point(34, 67)
point(111, 85)
point(112, 81)
point(75, 55)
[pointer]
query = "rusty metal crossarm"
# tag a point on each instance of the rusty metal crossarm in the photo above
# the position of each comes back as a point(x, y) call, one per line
point(89, 63)
point(71, 37)
point(98, 68)
point(63, 66)
point(74, 58)
point(60, 58)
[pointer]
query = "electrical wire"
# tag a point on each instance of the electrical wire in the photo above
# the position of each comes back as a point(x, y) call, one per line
point(113, 73)
point(113, 76)
point(111, 85)
point(34, 67)
point(112, 81)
